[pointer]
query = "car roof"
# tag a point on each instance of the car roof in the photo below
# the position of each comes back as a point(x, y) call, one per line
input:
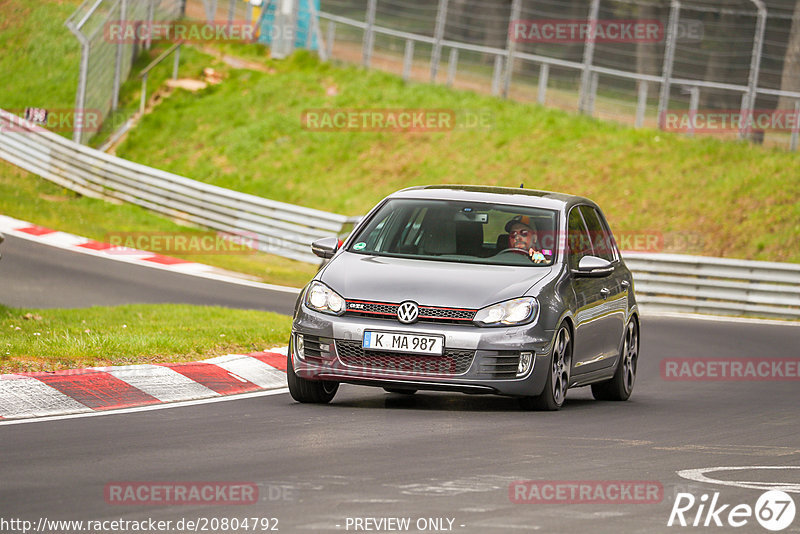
point(494, 195)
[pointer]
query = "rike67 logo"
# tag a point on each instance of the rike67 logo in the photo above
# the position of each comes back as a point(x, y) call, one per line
point(774, 510)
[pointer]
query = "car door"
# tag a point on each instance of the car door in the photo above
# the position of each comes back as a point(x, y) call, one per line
point(594, 319)
point(613, 292)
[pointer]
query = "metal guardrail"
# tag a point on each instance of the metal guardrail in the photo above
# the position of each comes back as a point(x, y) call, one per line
point(277, 227)
point(719, 286)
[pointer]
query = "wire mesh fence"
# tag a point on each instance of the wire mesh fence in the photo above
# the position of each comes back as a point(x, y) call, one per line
point(728, 67)
point(106, 59)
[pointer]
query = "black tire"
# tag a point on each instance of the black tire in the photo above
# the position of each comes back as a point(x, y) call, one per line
point(400, 391)
point(309, 391)
point(620, 387)
point(555, 388)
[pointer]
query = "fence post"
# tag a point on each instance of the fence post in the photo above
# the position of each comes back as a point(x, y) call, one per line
point(796, 128)
point(588, 57)
point(123, 14)
point(143, 97)
point(669, 59)
point(331, 33)
point(83, 75)
point(641, 103)
point(366, 52)
point(452, 66)
point(592, 94)
point(498, 70)
point(150, 18)
point(176, 63)
point(511, 46)
point(231, 11)
point(694, 101)
point(544, 73)
point(408, 59)
point(438, 35)
point(755, 64)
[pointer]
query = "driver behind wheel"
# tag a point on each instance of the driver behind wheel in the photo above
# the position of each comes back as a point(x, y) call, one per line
point(522, 236)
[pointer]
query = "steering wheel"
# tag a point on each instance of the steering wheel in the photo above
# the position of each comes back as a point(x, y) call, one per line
point(517, 250)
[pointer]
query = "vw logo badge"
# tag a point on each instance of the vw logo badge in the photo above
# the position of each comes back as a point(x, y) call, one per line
point(407, 312)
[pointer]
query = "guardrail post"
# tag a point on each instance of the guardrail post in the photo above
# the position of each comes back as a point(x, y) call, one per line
point(748, 103)
point(452, 65)
point(641, 103)
point(498, 70)
point(796, 128)
point(366, 53)
point(588, 57)
point(669, 60)
point(511, 46)
point(438, 35)
point(544, 74)
point(408, 59)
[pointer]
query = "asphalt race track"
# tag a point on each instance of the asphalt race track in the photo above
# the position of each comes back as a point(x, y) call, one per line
point(443, 461)
point(33, 275)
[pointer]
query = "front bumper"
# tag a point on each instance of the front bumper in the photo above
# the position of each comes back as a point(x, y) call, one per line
point(476, 360)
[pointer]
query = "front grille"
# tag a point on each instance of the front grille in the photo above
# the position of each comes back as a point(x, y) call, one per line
point(502, 365)
point(431, 314)
point(452, 362)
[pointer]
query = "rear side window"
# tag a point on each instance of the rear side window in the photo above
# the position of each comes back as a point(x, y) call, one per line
point(602, 244)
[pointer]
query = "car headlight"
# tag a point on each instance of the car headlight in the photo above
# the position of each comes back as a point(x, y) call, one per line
point(321, 298)
point(509, 312)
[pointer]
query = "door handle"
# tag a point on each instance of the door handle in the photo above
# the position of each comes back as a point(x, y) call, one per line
point(605, 292)
point(625, 284)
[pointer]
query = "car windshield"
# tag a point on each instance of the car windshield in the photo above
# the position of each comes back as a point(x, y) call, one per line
point(458, 231)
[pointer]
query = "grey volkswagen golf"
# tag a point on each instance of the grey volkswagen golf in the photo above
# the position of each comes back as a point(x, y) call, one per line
point(470, 289)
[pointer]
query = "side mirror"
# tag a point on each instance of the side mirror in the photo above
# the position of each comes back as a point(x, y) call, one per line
point(326, 247)
point(593, 267)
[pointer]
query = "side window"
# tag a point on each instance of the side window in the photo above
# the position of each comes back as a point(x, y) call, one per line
point(601, 240)
point(577, 238)
point(613, 242)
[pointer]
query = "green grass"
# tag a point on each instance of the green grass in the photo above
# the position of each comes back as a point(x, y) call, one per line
point(52, 339)
point(39, 56)
point(730, 199)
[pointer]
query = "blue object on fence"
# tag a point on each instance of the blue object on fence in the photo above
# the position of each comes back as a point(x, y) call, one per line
point(266, 24)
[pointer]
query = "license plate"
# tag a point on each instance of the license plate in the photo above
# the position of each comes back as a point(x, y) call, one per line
point(396, 342)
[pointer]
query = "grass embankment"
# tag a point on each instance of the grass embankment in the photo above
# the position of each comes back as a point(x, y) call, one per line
point(725, 198)
point(52, 339)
